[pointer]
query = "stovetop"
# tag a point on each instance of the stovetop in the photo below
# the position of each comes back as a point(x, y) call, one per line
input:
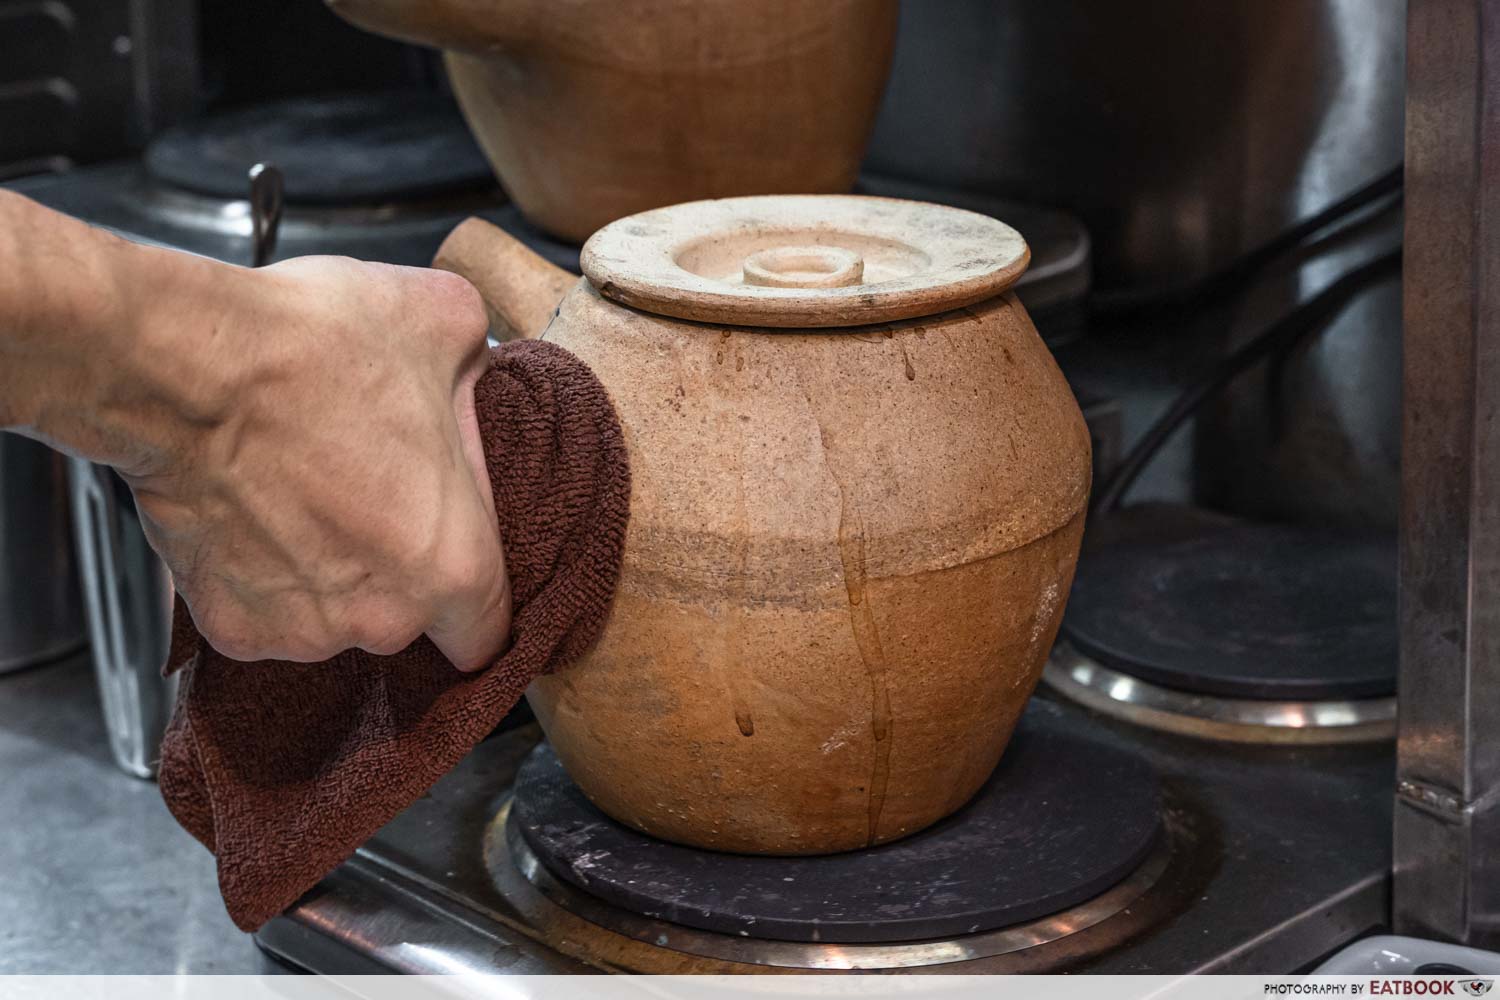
point(1276, 856)
point(1216, 626)
point(1270, 856)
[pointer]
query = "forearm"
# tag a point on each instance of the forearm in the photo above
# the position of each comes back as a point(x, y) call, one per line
point(85, 361)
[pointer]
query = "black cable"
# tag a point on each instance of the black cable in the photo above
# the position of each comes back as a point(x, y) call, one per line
point(1308, 318)
point(1243, 269)
point(1253, 262)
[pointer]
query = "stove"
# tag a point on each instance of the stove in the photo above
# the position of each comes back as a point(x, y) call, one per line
point(1254, 858)
point(1100, 845)
point(1228, 629)
point(1276, 630)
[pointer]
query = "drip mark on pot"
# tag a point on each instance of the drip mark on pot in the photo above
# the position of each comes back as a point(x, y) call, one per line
point(731, 652)
point(866, 634)
point(911, 373)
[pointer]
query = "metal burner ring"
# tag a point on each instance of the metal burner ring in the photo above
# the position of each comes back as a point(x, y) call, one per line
point(528, 886)
point(1238, 720)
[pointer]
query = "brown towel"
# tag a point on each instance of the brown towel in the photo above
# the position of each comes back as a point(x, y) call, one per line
point(283, 769)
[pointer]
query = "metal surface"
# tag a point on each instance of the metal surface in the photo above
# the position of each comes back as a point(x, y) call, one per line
point(419, 897)
point(95, 875)
point(85, 79)
point(1447, 823)
point(1240, 720)
point(267, 198)
point(127, 593)
point(39, 614)
point(1183, 133)
point(1390, 955)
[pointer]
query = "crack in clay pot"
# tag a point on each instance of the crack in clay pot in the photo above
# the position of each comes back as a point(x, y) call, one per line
point(851, 542)
point(867, 641)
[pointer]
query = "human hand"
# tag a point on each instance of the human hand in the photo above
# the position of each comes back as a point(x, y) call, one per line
point(326, 487)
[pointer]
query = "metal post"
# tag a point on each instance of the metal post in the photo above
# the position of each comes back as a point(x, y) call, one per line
point(1447, 828)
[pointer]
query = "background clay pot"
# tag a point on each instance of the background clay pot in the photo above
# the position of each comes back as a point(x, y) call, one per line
point(849, 546)
point(590, 111)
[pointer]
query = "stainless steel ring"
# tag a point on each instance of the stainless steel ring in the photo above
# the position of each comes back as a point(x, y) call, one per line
point(1242, 720)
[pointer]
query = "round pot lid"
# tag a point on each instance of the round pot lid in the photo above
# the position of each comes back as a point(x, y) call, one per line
point(803, 260)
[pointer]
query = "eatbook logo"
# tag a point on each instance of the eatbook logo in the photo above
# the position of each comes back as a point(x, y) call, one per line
point(1478, 987)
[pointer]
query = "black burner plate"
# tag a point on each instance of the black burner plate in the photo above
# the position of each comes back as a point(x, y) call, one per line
point(1062, 820)
point(1244, 611)
point(343, 149)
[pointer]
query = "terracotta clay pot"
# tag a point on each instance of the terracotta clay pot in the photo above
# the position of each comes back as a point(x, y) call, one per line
point(858, 489)
point(591, 111)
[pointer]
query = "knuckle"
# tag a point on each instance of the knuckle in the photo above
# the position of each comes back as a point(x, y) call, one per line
point(453, 285)
point(462, 307)
point(224, 626)
point(273, 635)
point(386, 630)
point(308, 649)
point(235, 642)
point(388, 642)
point(465, 571)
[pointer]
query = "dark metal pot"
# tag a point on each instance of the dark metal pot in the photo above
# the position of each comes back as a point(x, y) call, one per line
point(1184, 133)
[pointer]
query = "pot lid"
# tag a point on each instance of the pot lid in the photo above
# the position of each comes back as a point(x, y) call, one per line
point(803, 260)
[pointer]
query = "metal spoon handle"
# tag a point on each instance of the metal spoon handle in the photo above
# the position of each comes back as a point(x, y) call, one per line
point(267, 187)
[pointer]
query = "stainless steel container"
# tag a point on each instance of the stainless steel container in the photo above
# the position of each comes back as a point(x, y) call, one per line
point(40, 615)
point(1184, 133)
point(128, 596)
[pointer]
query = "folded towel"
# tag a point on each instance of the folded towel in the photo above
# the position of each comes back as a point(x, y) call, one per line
point(283, 769)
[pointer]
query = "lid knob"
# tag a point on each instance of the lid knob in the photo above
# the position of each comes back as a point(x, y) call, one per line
point(804, 267)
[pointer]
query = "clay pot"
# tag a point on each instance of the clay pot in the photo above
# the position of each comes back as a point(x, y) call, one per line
point(858, 489)
point(591, 111)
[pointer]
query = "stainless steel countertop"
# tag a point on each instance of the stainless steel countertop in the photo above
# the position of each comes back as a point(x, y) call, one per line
point(95, 875)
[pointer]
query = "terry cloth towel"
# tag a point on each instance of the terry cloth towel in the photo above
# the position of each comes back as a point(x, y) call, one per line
point(283, 769)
